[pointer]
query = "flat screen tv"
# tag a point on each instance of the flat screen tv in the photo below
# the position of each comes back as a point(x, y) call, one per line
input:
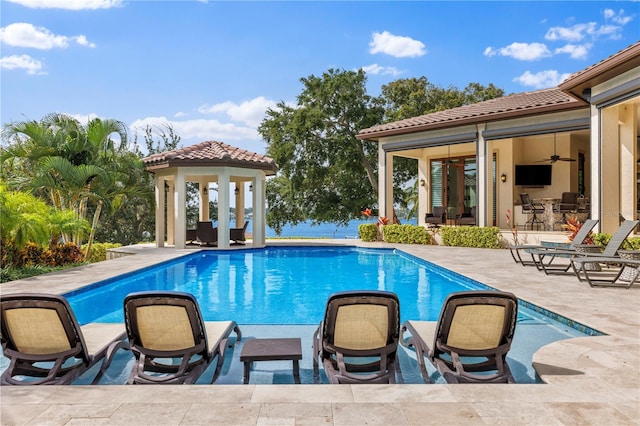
point(533, 175)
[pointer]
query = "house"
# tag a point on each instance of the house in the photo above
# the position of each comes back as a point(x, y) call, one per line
point(584, 134)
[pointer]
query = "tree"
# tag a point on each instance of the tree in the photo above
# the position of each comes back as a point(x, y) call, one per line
point(326, 174)
point(412, 97)
point(76, 167)
point(136, 214)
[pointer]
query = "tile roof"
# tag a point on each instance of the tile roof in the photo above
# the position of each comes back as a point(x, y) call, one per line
point(614, 65)
point(210, 154)
point(511, 106)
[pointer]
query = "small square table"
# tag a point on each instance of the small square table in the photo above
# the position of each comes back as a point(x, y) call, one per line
point(288, 349)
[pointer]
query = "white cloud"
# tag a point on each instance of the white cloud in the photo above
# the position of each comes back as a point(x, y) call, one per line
point(574, 33)
point(375, 69)
point(26, 62)
point(69, 4)
point(200, 129)
point(575, 51)
point(542, 79)
point(22, 34)
point(397, 46)
point(612, 29)
point(521, 51)
point(619, 18)
point(251, 112)
point(180, 114)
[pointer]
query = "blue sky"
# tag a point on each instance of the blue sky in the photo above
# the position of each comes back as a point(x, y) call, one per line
point(211, 69)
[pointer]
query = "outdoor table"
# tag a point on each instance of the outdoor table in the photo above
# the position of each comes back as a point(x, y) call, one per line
point(289, 349)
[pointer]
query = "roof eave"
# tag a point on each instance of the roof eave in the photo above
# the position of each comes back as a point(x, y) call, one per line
point(375, 136)
point(272, 168)
point(599, 73)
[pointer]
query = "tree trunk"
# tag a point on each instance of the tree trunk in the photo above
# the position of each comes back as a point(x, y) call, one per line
point(94, 224)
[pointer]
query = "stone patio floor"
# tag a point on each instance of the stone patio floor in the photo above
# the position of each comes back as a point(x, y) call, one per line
point(589, 381)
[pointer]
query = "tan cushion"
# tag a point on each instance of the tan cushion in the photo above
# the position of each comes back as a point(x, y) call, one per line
point(164, 328)
point(37, 331)
point(476, 327)
point(361, 327)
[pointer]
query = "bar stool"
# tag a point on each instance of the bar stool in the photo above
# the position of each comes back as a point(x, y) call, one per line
point(568, 204)
point(528, 207)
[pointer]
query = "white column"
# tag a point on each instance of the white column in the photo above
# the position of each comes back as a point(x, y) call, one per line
point(180, 211)
point(171, 219)
point(240, 205)
point(482, 179)
point(223, 209)
point(596, 167)
point(382, 184)
point(160, 225)
point(423, 190)
point(259, 215)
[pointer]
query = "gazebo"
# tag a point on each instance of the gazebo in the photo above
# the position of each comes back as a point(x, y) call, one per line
point(206, 163)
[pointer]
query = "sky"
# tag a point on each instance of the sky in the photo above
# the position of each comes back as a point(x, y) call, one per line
point(211, 69)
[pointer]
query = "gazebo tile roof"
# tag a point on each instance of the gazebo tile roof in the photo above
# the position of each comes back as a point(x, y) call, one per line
point(210, 154)
point(511, 106)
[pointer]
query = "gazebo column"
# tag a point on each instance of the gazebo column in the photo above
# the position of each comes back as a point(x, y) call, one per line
point(180, 211)
point(204, 201)
point(259, 219)
point(171, 229)
point(240, 205)
point(160, 197)
point(223, 209)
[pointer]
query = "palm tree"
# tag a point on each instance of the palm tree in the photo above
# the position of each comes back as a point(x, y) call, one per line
point(78, 168)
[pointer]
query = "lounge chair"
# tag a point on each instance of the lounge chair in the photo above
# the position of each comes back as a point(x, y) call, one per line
point(41, 329)
point(604, 269)
point(238, 235)
point(579, 238)
point(609, 251)
point(164, 327)
point(357, 341)
point(206, 234)
point(471, 338)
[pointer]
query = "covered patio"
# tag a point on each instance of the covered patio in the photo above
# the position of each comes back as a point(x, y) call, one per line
point(234, 170)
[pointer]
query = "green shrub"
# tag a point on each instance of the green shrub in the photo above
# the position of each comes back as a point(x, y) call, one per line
point(471, 236)
point(99, 251)
point(368, 232)
point(406, 234)
point(631, 243)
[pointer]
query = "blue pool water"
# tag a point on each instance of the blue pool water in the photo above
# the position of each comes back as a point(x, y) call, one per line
point(280, 285)
point(282, 292)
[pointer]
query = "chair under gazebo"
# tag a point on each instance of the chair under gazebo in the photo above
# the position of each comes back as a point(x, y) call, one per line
point(205, 163)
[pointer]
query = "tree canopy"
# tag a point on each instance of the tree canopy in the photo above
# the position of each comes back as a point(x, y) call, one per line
point(326, 174)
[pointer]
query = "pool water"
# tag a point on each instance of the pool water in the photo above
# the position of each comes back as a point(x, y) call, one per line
point(282, 292)
point(280, 285)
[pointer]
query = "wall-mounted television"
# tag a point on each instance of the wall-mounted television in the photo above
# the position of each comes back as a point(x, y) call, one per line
point(533, 175)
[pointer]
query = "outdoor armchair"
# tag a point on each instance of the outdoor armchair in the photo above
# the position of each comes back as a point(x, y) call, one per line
point(45, 344)
point(170, 341)
point(357, 341)
point(470, 340)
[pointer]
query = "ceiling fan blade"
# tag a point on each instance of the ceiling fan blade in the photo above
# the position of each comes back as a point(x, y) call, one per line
point(566, 159)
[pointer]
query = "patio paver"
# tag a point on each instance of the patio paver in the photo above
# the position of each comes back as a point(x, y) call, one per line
point(591, 381)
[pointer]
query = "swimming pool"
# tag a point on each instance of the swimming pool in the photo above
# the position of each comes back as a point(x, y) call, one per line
point(275, 291)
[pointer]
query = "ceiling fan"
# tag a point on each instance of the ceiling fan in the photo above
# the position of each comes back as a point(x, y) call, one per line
point(555, 157)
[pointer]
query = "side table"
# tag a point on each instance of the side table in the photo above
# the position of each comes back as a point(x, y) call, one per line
point(271, 350)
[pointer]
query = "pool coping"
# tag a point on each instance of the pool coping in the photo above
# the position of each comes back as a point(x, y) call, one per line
point(590, 380)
